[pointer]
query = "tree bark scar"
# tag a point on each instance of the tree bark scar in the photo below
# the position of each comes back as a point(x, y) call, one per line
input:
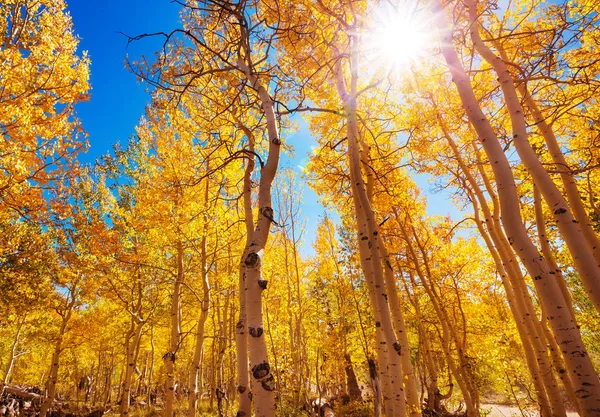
point(262, 283)
point(268, 383)
point(268, 213)
point(255, 331)
point(261, 370)
point(251, 260)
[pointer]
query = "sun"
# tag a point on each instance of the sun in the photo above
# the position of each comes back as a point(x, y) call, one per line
point(398, 37)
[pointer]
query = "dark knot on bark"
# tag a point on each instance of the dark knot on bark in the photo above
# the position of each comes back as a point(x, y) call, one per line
point(252, 259)
point(268, 383)
point(268, 213)
point(255, 331)
point(261, 370)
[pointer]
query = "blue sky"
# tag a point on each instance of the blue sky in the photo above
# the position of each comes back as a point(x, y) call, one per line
point(118, 99)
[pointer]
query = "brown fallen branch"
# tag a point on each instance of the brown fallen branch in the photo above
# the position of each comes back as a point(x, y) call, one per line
point(22, 393)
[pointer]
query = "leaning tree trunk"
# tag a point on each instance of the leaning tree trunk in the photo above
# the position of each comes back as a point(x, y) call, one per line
point(570, 229)
point(567, 175)
point(406, 374)
point(369, 244)
point(132, 341)
point(519, 317)
point(53, 376)
point(554, 350)
point(507, 266)
point(461, 379)
point(254, 284)
point(410, 381)
point(12, 355)
point(562, 322)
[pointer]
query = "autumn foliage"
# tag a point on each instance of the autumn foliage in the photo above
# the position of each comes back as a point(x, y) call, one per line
point(177, 273)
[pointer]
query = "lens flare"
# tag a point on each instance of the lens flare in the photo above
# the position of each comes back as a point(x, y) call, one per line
point(398, 37)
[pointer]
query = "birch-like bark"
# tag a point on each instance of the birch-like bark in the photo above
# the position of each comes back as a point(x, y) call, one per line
point(410, 381)
point(519, 317)
point(517, 295)
point(264, 383)
point(370, 241)
point(547, 251)
point(562, 166)
point(12, 354)
point(170, 357)
point(241, 335)
point(447, 330)
point(570, 230)
point(53, 375)
point(204, 311)
point(563, 324)
point(132, 342)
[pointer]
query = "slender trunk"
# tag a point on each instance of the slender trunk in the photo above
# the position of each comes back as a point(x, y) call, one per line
point(432, 384)
point(562, 322)
point(566, 173)
point(519, 301)
point(204, 311)
point(241, 337)
point(151, 373)
point(53, 375)
point(264, 384)
point(108, 384)
point(410, 381)
point(12, 355)
point(95, 386)
point(170, 357)
point(132, 343)
point(445, 336)
point(370, 243)
point(570, 230)
point(520, 318)
point(546, 250)
point(142, 379)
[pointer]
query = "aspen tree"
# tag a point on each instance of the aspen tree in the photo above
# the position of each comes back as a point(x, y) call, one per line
point(203, 316)
point(576, 240)
point(263, 394)
point(175, 340)
point(370, 242)
point(65, 312)
point(506, 265)
point(241, 335)
point(577, 360)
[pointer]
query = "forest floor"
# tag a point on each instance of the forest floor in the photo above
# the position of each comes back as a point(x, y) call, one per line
point(500, 410)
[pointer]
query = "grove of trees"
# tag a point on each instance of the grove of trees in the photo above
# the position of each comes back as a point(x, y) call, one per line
point(175, 275)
